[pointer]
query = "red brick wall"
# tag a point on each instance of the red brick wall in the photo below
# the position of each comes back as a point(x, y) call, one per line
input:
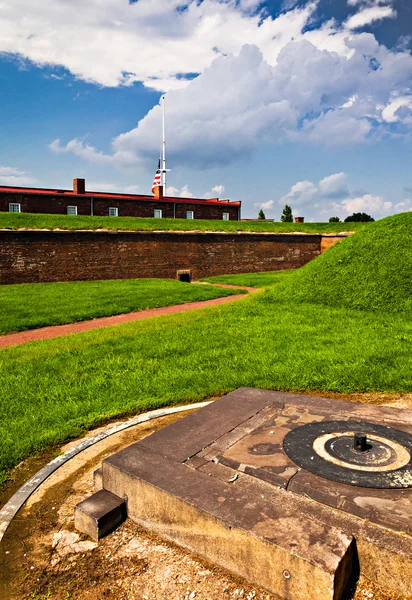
point(330, 240)
point(33, 203)
point(38, 203)
point(39, 256)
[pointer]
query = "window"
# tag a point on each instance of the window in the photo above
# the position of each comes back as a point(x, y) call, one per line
point(157, 213)
point(113, 211)
point(72, 210)
point(226, 216)
point(190, 214)
point(14, 207)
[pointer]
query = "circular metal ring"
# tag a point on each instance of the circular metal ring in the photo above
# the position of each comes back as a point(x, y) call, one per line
point(307, 446)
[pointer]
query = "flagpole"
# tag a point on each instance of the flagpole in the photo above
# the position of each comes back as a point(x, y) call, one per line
point(163, 146)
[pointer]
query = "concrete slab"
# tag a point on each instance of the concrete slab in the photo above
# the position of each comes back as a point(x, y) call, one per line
point(265, 541)
point(219, 483)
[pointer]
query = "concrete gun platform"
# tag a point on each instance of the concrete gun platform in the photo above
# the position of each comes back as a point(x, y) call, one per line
point(220, 483)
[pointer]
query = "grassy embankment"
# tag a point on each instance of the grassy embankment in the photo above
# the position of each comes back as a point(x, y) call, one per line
point(368, 271)
point(258, 280)
point(55, 389)
point(30, 305)
point(40, 221)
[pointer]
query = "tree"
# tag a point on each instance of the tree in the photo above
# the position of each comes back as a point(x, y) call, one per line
point(287, 216)
point(334, 220)
point(359, 218)
point(261, 215)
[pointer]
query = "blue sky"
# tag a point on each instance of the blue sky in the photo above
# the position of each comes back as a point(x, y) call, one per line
point(307, 103)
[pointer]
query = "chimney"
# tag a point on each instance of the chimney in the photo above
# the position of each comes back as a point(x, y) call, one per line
point(79, 186)
point(299, 219)
point(158, 191)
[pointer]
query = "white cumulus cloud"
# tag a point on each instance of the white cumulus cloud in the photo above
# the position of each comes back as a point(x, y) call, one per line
point(157, 42)
point(241, 102)
point(301, 192)
point(265, 205)
point(334, 186)
point(184, 192)
point(370, 14)
point(404, 206)
point(15, 177)
point(369, 2)
point(262, 79)
point(332, 196)
point(79, 148)
point(366, 203)
point(399, 108)
point(219, 189)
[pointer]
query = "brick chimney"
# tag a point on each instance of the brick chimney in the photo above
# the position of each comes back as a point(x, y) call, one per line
point(158, 191)
point(299, 219)
point(79, 186)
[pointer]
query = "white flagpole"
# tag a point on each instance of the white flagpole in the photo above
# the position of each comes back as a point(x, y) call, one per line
point(163, 147)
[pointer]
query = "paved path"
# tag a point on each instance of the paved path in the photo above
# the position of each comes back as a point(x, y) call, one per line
point(229, 286)
point(45, 333)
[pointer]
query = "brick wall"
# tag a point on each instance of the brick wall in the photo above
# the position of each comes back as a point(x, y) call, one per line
point(329, 240)
point(57, 204)
point(40, 256)
point(33, 203)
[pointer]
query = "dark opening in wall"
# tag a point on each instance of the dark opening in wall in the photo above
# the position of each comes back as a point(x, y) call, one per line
point(184, 275)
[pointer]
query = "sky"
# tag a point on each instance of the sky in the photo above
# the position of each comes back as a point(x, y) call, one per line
point(306, 103)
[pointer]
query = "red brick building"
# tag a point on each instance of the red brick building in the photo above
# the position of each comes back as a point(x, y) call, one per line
point(78, 201)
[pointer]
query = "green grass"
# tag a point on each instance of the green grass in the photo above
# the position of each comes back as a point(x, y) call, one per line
point(40, 221)
point(30, 305)
point(370, 270)
point(55, 389)
point(258, 280)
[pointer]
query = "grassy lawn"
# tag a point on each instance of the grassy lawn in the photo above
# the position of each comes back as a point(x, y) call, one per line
point(30, 305)
point(306, 333)
point(40, 221)
point(258, 280)
point(55, 389)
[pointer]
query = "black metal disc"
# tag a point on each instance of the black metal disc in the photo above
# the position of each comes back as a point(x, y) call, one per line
point(371, 468)
point(377, 453)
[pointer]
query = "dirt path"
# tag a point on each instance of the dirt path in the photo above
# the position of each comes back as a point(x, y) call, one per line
point(228, 286)
point(45, 333)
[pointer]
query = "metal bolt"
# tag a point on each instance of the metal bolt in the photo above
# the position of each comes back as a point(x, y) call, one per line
point(360, 442)
point(286, 574)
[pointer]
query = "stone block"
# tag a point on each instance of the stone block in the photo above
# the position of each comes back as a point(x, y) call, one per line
point(99, 514)
point(98, 480)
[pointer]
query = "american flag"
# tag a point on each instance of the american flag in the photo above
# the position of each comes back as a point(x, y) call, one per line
point(157, 178)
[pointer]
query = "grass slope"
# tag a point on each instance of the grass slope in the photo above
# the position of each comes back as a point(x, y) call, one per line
point(371, 270)
point(55, 389)
point(258, 280)
point(31, 305)
point(40, 221)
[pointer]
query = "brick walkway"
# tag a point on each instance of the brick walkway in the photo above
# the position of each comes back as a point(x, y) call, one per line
point(45, 333)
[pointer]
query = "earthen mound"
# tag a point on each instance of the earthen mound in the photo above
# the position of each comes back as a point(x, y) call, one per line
point(369, 270)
